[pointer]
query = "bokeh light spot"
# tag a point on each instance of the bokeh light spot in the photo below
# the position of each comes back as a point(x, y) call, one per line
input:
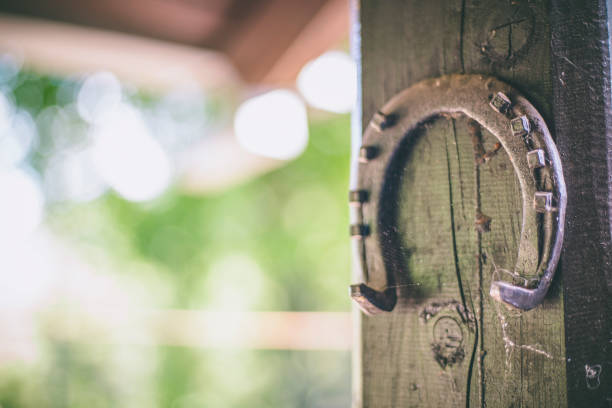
point(99, 96)
point(329, 82)
point(128, 158)
point(21, 207)
point(72, 177)
point(273, 125)
point(17, 134)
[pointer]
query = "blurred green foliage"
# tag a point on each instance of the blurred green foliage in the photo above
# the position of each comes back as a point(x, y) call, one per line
point(278, 242)
point(291, 222)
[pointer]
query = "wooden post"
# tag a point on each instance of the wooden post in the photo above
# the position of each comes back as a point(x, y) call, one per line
point(558, 354)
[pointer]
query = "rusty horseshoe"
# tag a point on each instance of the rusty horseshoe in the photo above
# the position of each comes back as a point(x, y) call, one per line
point(522, 132)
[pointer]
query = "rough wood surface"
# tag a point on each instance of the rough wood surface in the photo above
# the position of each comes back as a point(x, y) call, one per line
point(581, 72)
point(503, 358)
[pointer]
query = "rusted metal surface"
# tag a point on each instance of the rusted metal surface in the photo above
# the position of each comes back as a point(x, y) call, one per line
point(522, 132)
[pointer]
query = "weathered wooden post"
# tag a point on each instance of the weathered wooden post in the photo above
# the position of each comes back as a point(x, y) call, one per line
point(450, 217)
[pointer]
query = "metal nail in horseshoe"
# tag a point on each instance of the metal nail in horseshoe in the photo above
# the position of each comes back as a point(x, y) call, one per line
point(524, 135)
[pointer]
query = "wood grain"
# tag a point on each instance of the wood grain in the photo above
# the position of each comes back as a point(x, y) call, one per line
point(581, 73)
point(511, 359)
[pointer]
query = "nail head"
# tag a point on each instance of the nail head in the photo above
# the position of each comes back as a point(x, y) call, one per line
point(520, 126)
point(543, 202)
point(367, 153)
point(500, 102)
point(359, 230)
point(536, 159)
point(358, 196)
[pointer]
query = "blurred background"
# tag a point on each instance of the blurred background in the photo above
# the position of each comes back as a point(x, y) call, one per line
point(173, 181)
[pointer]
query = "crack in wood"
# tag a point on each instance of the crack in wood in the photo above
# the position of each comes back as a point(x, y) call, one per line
point(457, 267)
point(477, 142)
point(452, 220)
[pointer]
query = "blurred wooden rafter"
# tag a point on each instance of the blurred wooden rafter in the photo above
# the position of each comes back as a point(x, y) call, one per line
point(268, 41)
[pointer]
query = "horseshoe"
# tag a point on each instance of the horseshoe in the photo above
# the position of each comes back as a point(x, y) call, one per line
point(522, 132)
